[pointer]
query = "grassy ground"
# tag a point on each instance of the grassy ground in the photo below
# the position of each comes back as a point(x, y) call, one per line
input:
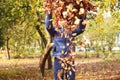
point(19, 69)
point(86, 69)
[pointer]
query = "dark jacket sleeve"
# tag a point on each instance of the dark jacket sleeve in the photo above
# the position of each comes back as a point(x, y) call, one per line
point(48, 24)
point(81, 28)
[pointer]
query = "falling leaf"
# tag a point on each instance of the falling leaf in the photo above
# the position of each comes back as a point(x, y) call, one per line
point(82, 10)
point(67, 76)
point(69, 9)
point(68, 44)
point(70, 73)
point(74, 10)
point(69, 68)
point(59, 74)
point(62, 64)
point(74, 34)
point(65, 13)
point(77, 21)
point(70, 6)
point(62, 52)
point(74, 41)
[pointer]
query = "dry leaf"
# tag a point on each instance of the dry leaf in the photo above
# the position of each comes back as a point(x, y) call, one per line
point(70, 6)
point(67, 10)
point(77, 21)
point(74, 34)
point(62, 52)
point(82, 11)
point(68, 44)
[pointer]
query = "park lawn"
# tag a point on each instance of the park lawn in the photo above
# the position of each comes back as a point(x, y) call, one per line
point(86, 69)
point(22, 69)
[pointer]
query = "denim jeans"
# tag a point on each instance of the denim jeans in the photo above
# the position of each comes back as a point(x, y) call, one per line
point(60, 72)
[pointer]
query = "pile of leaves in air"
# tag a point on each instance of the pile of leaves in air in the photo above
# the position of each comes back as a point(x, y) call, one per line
point(68, 13)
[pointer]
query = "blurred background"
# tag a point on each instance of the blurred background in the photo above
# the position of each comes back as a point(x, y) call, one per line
point(23, 35)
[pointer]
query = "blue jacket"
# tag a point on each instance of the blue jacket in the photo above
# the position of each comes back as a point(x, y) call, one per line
point(62, 45)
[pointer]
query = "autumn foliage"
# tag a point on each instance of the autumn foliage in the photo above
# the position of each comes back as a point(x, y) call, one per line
point(68, 13)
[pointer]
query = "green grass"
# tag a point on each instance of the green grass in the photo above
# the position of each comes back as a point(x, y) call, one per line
point(116, 52)
point(18, 74)
point(22, 69)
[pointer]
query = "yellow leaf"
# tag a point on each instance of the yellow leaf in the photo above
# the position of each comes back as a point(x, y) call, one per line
point(77, 21)
point(70, 73)
point(69, 68)
point(74, 34)
point(74, 10)
point(82, 10)
point(62, 52)
point(68, 44)
point(70, 6)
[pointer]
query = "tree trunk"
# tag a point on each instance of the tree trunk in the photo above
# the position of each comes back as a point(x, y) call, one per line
point(49, 60)
point(44, 40)
point(46, 54)
point(44, 57)
point(8, 53)
point(86, 56)
point(98, 55)
point(49, 57)
point(110, 52)
point(48, 46)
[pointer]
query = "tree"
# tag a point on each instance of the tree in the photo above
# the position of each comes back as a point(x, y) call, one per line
point(103, 28)
point(1, 38)
point(23, 22)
